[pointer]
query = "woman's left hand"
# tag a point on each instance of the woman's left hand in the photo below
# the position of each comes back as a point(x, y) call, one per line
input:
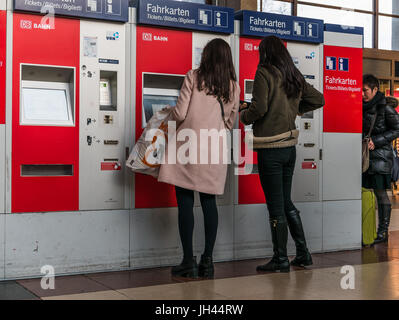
point(243, 106)
point(371, 145)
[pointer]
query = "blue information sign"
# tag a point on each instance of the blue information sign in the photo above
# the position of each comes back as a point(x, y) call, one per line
point(114, 10)
point(263, 24)
point(343, 29)
point(186, 15)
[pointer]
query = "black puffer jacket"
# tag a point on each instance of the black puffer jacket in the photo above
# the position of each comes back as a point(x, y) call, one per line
point(386, 129)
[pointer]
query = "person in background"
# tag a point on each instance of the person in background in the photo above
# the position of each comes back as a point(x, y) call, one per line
point(280, 93)
point(393, 102)
point(384, 131)
point(209, 99)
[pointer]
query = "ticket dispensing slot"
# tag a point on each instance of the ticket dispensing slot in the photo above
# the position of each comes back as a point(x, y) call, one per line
point(108, 92)
point(159, 91)
point(47, 96)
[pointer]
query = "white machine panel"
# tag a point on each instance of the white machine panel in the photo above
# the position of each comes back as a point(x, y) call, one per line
point(308, 59)
point(343, 40)
point(102, 116)
point(341, 178)
point(200, 40)
point(342, 225)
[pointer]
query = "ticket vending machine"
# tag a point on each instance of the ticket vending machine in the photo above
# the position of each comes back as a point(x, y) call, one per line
point(168, 38)
point(3, 36)
point(65, 138)
point(167, 45)
point(303, 39)
point(324, 187)
point(68, 110)
point(342, 130)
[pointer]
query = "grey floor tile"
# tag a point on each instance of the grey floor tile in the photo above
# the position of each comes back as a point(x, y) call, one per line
point(10, 290)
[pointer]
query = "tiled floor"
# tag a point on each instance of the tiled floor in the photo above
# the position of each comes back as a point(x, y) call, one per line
point(376, 277)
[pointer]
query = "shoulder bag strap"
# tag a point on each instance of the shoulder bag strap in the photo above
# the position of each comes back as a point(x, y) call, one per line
point(372, 125)
point(222, 108)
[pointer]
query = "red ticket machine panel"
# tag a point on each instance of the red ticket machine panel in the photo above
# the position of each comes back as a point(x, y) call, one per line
point(249, 187)
point(343, 72)
point(163, 55)
point(45, 115)
point(3, 24)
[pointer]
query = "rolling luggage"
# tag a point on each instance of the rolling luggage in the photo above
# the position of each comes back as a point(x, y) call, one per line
point(369, 232)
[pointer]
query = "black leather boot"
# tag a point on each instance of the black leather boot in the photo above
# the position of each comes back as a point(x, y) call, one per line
point(188, 268)
point(206, 268)
point(303, 257)
point(280, 261)
point(384, 218)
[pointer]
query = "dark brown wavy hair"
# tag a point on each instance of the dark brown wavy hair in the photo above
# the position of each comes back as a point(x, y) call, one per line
point(216, 70)
point(273, 53)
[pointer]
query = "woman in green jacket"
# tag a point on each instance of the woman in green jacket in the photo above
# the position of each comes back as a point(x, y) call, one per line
point(280, 93)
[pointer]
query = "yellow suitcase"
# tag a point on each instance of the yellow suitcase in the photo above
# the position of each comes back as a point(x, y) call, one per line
point(369, 231)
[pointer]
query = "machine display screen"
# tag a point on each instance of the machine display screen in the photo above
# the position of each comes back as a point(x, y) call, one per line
point(45, 104)
point(154, 103)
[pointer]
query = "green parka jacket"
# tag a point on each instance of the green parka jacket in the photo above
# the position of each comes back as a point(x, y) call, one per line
point(271, 112)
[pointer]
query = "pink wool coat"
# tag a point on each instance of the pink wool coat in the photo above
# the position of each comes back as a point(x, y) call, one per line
point(198, 112)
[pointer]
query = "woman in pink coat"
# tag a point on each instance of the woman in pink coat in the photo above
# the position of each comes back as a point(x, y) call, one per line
point(208, 104)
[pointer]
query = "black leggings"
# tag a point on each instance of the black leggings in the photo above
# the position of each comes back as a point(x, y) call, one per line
point(185, 202)
point(276, 168)
point(382, 197)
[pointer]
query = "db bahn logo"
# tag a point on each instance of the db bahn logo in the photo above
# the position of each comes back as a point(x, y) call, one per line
point(147, 36)
point(26, 24)
point(249, 47)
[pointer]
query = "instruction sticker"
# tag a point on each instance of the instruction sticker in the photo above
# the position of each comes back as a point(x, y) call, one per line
point(90, 47)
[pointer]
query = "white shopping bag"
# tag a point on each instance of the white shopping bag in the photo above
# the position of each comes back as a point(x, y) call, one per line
point(147, 155)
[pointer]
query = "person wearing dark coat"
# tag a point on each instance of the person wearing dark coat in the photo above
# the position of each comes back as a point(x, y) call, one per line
point(280, 93)
point(384, 131)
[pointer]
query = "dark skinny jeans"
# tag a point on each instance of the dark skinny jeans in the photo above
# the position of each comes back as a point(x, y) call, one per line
point(276, 168)
point(185, 202)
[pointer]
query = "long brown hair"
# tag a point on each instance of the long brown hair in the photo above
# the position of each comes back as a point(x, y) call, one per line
point(273, 53)
point(216, 70)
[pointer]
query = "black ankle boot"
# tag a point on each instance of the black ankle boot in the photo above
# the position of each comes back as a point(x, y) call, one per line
point(206, 268)
point(303, 257)
point(188, 268)
point(384, 218)
point(280, 261)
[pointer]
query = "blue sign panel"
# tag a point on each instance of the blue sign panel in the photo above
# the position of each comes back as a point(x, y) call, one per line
point(114, 10)
point(186, 15)
point(331, 63)
point(261, 24)
point(343, 29)
point(343, 64)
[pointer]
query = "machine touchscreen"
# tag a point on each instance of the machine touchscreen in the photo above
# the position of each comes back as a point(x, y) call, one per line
point(154, 103)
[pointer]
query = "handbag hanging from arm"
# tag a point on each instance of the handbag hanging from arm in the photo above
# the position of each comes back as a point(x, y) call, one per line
point(365, 148)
